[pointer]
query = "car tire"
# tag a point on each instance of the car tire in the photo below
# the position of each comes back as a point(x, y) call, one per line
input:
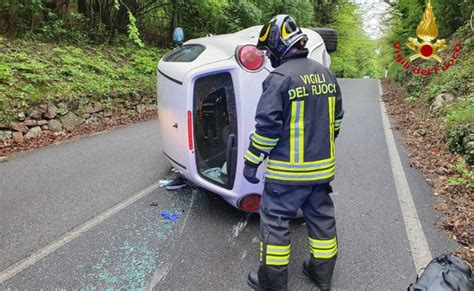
point(329, 36)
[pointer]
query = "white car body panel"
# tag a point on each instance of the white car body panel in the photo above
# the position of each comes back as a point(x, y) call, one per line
point(175, 85)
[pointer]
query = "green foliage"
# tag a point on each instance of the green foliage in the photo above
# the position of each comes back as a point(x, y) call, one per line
point(32, 72)
point(356, 53)
point(452, 18)
point(460, 125)
point(465, 176)
point(133, 33)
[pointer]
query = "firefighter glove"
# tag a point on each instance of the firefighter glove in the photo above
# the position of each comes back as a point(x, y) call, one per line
point(250, 173)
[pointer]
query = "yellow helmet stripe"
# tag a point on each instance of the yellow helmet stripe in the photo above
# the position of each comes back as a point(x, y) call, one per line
point(284, 33)
point(264, 37)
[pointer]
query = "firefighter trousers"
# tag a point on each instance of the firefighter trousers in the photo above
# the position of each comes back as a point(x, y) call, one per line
point(279, 204)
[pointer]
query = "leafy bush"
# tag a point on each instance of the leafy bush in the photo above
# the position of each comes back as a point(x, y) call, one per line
point(460, 125)
point(465, 175)
point(33, 72)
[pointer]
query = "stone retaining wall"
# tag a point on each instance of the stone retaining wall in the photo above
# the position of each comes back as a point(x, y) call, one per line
point(57, 118)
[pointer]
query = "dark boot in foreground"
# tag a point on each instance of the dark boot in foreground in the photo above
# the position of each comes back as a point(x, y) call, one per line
point(320, 272)
point(269, 278)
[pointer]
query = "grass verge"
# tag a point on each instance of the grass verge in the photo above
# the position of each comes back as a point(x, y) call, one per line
point(34, 72)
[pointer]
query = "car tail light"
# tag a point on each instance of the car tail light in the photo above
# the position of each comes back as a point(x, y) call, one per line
point(190, 131)
point(250, 58)
point(250, 202)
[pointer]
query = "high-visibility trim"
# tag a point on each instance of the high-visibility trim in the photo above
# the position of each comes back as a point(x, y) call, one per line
point(297, 132)
point(299, 176)
point(299, 167)
point(277, 260)
point(264, 141)
point(264, 37)
point(249, 156)
point(307, 173)
point(275, 255)
point(337, 124)
point(293, 125)
point(313, 163)
point(300, 144)
point(276, 250)
point(262, 148)
point(323, 248)
point(322, 244)
point(324, 254)
point(284, 33)
point(332, 107)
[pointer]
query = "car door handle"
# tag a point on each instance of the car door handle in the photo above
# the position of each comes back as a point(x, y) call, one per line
point(175, 125)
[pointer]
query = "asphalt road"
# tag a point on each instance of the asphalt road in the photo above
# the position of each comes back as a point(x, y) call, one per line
point(46, 193)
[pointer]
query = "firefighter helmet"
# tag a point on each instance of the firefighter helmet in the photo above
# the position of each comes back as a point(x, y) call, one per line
point(280, 34)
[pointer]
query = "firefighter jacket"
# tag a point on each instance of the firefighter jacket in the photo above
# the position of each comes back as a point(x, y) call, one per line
point(298, 118)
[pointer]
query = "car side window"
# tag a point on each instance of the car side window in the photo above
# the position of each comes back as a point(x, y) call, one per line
point(185, 54)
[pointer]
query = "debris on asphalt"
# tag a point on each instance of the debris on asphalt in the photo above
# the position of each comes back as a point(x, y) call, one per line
point(170, 216)
point(154, 204)
point(176, 184)
point(164, 182)
point(3, 159)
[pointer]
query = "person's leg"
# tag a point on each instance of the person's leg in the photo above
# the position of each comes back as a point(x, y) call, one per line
point(278, 205)
point(318, 211)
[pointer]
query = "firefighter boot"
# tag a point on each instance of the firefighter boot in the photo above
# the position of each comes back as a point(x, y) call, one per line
point(269, 278)
point(320, 271)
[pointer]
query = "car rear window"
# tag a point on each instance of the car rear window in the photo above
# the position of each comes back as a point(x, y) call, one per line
point(185, 54)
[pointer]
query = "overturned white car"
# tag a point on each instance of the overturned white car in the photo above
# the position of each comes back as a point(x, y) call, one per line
point(208, 90)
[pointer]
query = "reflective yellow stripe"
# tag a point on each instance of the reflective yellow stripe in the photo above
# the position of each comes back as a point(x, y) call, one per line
point(338, 123)
point(324, 254)
point(313, 163)
point(331, 103)
point(264, 37)
point(301, 173)
point(322, 241)
point(276, 250)
point(277, 260)
point(284, 33)
point(265, 149)
point(275, 255)
point(299, 168)
point(301, 133)
point(297, 132)
point(292, 132)
point(314, 177)
point(323, 248)
point(322, 244)
point(264, 141)
point(252, 158)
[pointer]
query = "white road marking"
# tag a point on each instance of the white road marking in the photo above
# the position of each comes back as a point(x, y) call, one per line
point(71, 235)
point(419, 247)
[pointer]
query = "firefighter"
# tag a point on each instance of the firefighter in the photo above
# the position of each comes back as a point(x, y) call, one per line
point(297, 120)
